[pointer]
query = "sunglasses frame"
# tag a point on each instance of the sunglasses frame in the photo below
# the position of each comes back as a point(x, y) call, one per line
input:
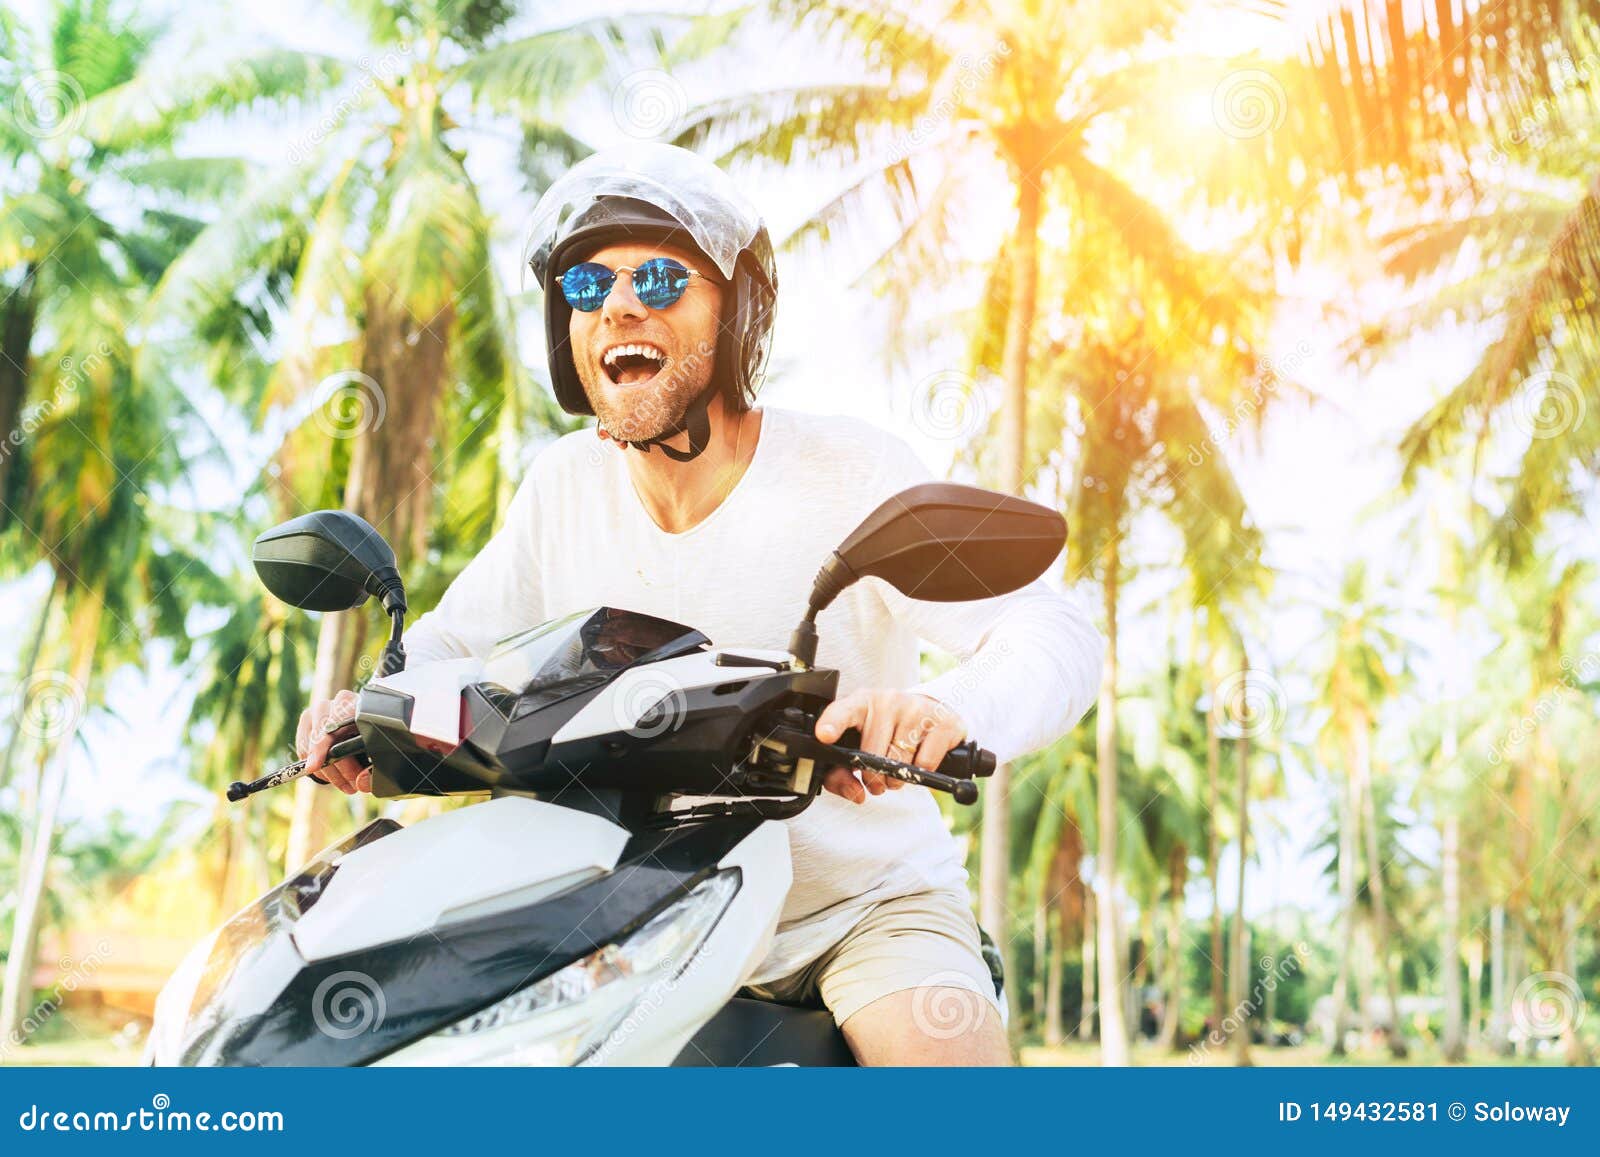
point(630, 270)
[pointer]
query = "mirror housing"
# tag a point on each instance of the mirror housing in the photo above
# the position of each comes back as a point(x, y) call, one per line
point(942, 542)
point(328, 560)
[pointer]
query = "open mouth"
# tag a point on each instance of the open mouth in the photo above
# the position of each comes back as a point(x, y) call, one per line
point(633, 364)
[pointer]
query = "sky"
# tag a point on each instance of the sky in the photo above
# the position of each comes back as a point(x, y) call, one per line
point(1309, 480)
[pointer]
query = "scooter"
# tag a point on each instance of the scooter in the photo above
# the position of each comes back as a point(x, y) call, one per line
point(624, 878)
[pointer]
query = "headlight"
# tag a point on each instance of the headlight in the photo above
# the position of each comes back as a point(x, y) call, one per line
point(565, 1018)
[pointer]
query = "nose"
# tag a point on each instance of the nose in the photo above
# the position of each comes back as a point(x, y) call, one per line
point(620, 304)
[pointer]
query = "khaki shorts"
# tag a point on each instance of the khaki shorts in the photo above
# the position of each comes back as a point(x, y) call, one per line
point(926, 940)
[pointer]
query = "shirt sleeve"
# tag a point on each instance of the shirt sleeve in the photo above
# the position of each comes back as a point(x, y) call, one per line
point(1029, 662)
point(498, 592)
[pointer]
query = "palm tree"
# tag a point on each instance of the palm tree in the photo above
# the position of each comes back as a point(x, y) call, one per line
point(1053, 816)
point(88, 483)
point(1363, 668)
point(1492, 126)
point(941, 113)
point(397, 331)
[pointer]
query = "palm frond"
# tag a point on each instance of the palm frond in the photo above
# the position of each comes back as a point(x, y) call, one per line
point(148, 109)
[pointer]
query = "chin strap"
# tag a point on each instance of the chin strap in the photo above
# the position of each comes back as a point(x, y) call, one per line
point(696, 422)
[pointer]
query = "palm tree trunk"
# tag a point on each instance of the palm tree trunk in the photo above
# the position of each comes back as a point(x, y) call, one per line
point(1091, 924)
point(1144, 964)
point(1171, 1017)
point(1474, 993)
point(994, 864)
point(29, 666)
point(1239, 964)
point(1219, 1001)
point(388, 483)
point(1348, 835)
point(18, 315)
point(1054, 1019)
point(1380, 909)
point(1113, 1031)
point(1499, 1020)
point(17, 992)
point(1573, 1047)
point(1453, 1042)
point(1364, 982)
point(1036, 981)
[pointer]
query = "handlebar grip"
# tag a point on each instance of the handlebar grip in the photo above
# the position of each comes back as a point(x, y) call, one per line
point(239, 790)
point(967, 760)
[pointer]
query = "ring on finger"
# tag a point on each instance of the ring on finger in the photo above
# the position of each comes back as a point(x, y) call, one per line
point(910, 743)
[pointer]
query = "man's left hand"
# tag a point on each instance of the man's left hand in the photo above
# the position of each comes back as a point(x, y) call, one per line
point(902, 725)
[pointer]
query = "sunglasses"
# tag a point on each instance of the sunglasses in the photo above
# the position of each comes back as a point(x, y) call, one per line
point(657, 283)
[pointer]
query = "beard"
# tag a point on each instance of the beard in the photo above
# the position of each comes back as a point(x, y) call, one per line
point(640, 413)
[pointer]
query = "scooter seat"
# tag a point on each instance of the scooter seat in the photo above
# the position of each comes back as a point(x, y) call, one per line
point(760, 1033)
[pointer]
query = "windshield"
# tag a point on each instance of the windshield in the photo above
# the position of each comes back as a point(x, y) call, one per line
point(564, 655)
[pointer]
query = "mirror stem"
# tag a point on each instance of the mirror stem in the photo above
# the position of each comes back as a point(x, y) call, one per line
point(803, 643)
point(394, 652)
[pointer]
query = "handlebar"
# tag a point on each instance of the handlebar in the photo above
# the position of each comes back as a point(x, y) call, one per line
point(796, 732)
point(239, 790)
point(954, 773)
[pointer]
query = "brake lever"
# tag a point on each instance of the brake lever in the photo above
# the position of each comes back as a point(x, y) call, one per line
point(239, 790)
point(964, 790)
point(797, 736)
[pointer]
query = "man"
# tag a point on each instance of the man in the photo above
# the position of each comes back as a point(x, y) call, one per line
point(695, 506)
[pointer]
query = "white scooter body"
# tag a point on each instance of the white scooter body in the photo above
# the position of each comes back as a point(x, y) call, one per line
point(495, 857)
point(573, 845)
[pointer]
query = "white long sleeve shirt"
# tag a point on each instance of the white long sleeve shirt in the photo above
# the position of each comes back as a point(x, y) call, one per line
point(576, 536)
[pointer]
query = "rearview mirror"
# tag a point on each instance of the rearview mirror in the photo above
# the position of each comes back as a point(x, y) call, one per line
point(941, 542)
point(328, 560)
point(948, 543)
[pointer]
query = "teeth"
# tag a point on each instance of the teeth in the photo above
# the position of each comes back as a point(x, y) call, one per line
point(641, 350)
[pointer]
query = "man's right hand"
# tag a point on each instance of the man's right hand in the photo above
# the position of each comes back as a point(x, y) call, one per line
point(313, 740)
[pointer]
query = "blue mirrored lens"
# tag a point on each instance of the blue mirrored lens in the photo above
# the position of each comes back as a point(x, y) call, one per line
point(585, 286)
point(659, 282)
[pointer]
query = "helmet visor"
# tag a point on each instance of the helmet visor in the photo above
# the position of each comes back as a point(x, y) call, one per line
point(689, 188)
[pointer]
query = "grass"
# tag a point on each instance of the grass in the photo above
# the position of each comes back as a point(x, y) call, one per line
point(86, 1052)
point(92, 1051)
point(1304, 1056)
